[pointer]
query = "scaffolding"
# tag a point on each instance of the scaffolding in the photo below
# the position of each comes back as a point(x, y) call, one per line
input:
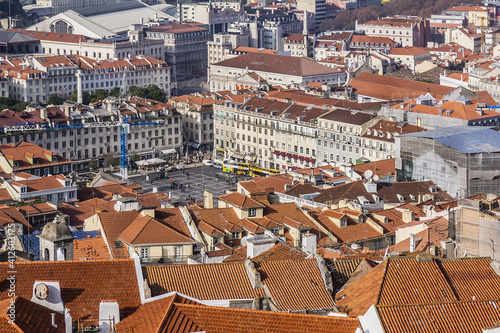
point(477, 232)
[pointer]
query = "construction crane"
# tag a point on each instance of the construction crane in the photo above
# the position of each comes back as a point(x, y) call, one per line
point(123, 123)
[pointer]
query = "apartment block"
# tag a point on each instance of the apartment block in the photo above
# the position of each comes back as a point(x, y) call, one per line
point(275, 135)
point(36, 78)
point(407, 31)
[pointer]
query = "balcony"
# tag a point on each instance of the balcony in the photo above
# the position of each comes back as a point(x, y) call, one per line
point(164, 260)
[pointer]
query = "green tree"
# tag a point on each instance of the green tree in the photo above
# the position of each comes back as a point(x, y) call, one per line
point(85, 97)
point(135, 157)
point(98, 95)
point(55, 99)
point(155, 93)
point(115, 92)
point(138, 91)
point(110, 160)
point(93, 164)
point(20, 106)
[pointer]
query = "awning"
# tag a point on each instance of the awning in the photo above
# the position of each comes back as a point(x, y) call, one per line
point(312, 160)
point(143, 162)
point(300, 158)
point(294, 156)
point(276, 152)
point(239, 156)
point(306, 159)
point(288, 155)
point(282, 153)
point(156, 160)
point(196, 145)
point(168, 151)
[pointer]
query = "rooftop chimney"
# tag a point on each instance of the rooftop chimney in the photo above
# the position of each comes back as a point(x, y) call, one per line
point(43, 113)
point(208, 199)
point(412, 243)
point(259, 244)
point(109, 315)
point(408, 216)
point(309, 244)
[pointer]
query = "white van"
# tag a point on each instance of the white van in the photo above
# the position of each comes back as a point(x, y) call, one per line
point(208, 162)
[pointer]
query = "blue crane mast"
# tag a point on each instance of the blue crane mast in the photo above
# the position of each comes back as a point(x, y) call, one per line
point(124, 124)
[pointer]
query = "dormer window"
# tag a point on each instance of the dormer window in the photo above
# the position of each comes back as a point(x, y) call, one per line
point(67, 182)
point(343, 222)
point(35, 160)
point(24, 189)
point(252, 212)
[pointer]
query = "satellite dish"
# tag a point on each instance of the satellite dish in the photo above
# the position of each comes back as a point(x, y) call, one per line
point(368, 174)
point(376, 178)
point(243, 241)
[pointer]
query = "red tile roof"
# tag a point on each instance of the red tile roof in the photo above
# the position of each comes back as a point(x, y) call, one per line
point(17, 152)
point(204, 281)
point(113, 223)
point(436, 231)
point(146, 230)
point(392, 88)
point(382, 168)
point(85, 209)
point(29, 317)
point(161, 316)
point(222, 320)
point(441, 317)
point(240, 200)
point(408, 281)
point(296, 285)
point(273, 63)
point(90, 249)
point(83, 283)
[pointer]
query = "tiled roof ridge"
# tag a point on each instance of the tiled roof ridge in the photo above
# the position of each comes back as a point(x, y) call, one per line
point(168, 313)
point(385, 266)
point(288, 314)
point(65, 262)
point(437, 303)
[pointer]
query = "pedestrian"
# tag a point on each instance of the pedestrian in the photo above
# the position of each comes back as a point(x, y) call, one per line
point(183, 172)
point(187, 174)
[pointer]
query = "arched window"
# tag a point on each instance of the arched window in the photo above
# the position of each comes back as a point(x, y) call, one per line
point(47, 255)
point(65, 252)
point(61, 27)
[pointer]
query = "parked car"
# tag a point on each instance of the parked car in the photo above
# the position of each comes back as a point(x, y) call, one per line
point(180, 166)
point(217, 165)
point(208, 162)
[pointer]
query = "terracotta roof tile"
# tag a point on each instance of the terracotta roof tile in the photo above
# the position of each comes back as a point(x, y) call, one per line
point(222, 320)
point(442, 317)
point(17, 152)
point(204, 282)
point(29, 317)
point(85, 209)
point(273, 63)
point(90, 249)
point(147, 230)
point(113, 223)
point(240, 200)
point(407, 281)
point(161, 316)
point(83, 283)
point(436, 231)
point(173, 218)
point(296, 285)
point(392, 88)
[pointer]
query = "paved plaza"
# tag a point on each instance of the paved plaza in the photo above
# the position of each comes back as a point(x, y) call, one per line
point(201, 178)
